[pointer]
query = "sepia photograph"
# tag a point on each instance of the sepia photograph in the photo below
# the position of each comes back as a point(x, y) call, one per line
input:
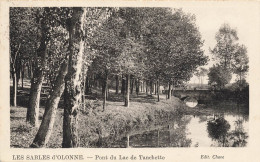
point(139, 77)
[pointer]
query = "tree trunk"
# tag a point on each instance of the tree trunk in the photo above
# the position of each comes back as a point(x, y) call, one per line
point(155, 88)
point(18, 71)
point(42, 137)
point(169, 91)
point(158, 91)
point(166, 93)
point(146, 87)
point(123, 85)
point(202, 78)
point(131, 86)
point(22, 79)
point(87, 86)
point(103, 88)
point(200, 81)
point(105, 92)
point(13, 61)
point(37, 79)
point(127, 90)
point(83, 98)
point(73, 78)
point(240, 81)
point(151, 87)
point(143, 86)
point(117, 83)
point(91, 83)
point(29, 69)
point(128, 141)
point(34, 99)
point(137, 88)
point(22, 73)
point(36, 85)
point(14, 103)
point(94, 81)
point(173, 85)
point(158, 138)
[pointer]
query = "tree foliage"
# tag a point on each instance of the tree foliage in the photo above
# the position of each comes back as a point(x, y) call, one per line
point(240, 63)
point(230, 56)
point(225, 48)
point(219, 76)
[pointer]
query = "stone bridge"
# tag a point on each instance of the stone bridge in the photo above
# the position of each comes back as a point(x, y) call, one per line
point(201, 96)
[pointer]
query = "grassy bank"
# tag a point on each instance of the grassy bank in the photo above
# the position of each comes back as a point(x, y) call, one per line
point(96, 126)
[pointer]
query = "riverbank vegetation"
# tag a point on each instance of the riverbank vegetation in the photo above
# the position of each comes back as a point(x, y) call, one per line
point(96, 124)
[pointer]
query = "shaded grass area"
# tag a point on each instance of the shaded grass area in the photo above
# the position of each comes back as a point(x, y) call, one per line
point(96, 95)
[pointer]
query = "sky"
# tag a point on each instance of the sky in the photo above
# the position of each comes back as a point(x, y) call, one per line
point(209, 19)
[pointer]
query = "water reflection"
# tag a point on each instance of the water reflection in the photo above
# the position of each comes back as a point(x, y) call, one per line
point(191, 102)
point(178, 134)
point(218, 130)
point(238, 137)
point(172, 135)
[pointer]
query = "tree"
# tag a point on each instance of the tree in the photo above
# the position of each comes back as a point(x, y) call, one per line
point(23, 42)
point(57, 67)
point(24, 26)
point(72, 79)
point(158, 40)
point(132, 53)
point(200, 74)
point(39, 68)
point(107, 44)
point(230, 55)
point(185, 53)
point(173, 46)
point(219, 75)
point(13, 60)
point(128, 62)
point(44, 132)
point(117, 83)
point(225, 48)
point(55, 73)
point(240, 64)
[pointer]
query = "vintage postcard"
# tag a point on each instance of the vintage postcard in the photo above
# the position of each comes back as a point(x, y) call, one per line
point(99, 81)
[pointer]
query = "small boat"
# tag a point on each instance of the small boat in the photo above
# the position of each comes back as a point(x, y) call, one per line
point(191, 102)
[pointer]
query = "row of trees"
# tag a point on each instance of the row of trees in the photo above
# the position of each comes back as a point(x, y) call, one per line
point(231, 58)
point(66, 46)
point(201, 73)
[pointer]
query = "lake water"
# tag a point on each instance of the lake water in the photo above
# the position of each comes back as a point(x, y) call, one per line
point(219, 130)
point(197, 129)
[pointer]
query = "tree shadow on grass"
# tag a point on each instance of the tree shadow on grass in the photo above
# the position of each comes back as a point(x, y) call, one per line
point(16, 118)
point(143, 98)
point(23, 97)
point(112, 97)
